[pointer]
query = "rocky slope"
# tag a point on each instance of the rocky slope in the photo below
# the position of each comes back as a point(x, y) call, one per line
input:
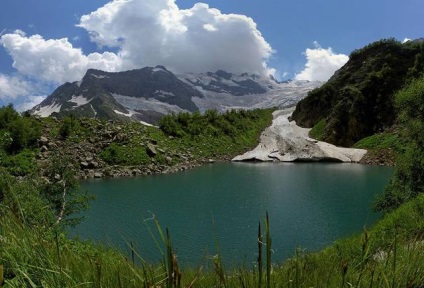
point(285, 141)
point(149, 93)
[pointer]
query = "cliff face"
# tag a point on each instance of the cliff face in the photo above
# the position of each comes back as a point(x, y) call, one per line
point(358, 100)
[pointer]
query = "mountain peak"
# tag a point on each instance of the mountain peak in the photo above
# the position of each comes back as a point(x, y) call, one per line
point(148, 93)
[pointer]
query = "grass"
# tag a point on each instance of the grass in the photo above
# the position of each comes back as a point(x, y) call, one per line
point(381, 141)
point(391, 254)
point(317, 132)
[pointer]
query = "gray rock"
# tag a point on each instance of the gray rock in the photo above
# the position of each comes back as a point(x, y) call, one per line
point(44, 149)
point(43, 141)
point(84, 165)
point(98, 175)
point(151, 150)
point(93, 164)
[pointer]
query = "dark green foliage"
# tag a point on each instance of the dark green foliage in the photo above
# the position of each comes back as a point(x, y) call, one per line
point(17, 132)
point(385, 140)
point(118, 154)
point(358, 100)
point(408, 180)
point(69, 125)
point(317, 132)
point(20, 164)
point(231, 123)
point(61, 192)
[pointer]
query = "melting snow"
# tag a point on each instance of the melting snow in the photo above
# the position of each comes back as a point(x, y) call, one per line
point(164, 93)
point(79, 100)
point(99, 76)
point(130, 113)
point(46, 111)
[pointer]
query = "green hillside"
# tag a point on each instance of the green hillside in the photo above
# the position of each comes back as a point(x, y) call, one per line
point(358, 101)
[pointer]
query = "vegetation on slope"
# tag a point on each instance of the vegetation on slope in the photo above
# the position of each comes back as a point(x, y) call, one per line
point(111, 148)
point(358, 101)
point(408, 180)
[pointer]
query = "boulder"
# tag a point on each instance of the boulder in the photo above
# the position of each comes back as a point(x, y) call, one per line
point(151, 150)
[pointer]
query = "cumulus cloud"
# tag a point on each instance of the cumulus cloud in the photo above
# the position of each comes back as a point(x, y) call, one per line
point(12, 87)
point(28, 102)
point(199, 39)
point(142, 33)
point(20, 91)
point(53, 60)
point(321, 64)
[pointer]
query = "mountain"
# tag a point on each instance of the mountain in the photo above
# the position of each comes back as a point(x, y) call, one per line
point(358, 101)
point(149, 93)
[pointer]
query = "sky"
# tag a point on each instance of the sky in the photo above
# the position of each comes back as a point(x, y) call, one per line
point(45, 43)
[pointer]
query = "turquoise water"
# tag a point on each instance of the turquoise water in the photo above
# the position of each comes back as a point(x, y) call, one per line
point(309, 204)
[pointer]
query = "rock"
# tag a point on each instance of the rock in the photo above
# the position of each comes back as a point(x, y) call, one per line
point(211, 161)
point(44, 149)
point(151, 150)
point(90, 174)
point(88, 158)
point(51, 145)
point(43, 164)
point(98, 175)
point(43, 141)
point(84, 165)
point(93, 164)
point(161, 150)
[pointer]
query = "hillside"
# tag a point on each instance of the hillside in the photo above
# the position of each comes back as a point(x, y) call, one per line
point(358, 101)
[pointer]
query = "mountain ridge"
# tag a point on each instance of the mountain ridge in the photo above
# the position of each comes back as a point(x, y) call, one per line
point(149, 93)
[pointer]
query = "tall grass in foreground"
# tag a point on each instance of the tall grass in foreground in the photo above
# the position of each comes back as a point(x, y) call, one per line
point(391, 254)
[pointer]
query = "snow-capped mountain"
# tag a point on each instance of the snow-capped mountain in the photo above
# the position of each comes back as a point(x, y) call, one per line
point(149, 93)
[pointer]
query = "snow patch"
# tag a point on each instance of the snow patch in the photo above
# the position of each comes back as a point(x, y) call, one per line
point(149, 104)
point(46, 111)
point(164, 93)
point(129, 114)
point(79, 100)
point(159, 69)
point(95, 112)
point(100, 76)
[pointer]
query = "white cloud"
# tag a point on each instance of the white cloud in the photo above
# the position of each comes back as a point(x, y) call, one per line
point(12, 87)
point(28, 102)
point(406, 40)
point(145, 33)
point(321, 63)
point(199, 39)
point(53, 60)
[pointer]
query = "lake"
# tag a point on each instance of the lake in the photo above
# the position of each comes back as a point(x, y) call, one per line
point(310, 205)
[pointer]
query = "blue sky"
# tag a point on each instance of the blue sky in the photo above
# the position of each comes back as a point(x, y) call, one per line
point(47, 42)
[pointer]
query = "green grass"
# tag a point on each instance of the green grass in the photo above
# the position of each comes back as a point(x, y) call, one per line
point(391, 254)
point(381, 141)
point(317, 132)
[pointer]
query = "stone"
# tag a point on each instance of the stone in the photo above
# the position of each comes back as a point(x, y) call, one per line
point(43, 141)
point(151, 150)
point(84, 165)
point(44, 149)
point(98, 175)
point(93, 164)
